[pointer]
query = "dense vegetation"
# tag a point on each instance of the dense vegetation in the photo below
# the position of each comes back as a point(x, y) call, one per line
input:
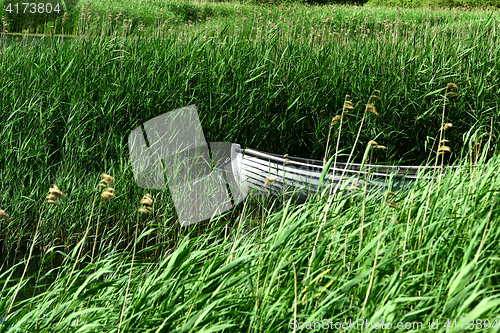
point(268, 78)
point(249, 72)
point(144, 12)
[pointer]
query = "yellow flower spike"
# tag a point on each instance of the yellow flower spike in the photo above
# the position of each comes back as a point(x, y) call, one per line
point(336, 118)
point(144, 210)
point(55, 191)
point(353, 187)
point(442, 149)
point(4, 215)
point(372, 109)
point(107, 194)
point(376, 145)
point(391, 204)
point(107, 179)
point(348, 105)
point(393, 219)
point(268, 180)
point(53, 195)
point(146, 200)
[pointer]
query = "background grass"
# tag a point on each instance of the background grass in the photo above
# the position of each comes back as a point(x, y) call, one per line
point(147, 11)
point(273, 82)
point(68, 106)
point(410, 58)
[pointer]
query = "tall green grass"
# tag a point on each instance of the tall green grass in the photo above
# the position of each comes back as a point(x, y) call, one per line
point(408, 61)
point(406, 271)
point(68, 105)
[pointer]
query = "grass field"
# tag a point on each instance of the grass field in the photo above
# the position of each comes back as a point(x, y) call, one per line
point(270, 78)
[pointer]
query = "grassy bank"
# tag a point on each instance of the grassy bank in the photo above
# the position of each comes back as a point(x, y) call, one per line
point(68, 106)
point(431, 254)
point(271, 80)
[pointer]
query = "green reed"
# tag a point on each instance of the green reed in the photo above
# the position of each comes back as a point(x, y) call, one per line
point(69, 104)
point(258, 282)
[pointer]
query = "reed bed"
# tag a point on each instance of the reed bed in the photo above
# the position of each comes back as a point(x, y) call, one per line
point(269, 81)
point(66, 118)
point(258, 281)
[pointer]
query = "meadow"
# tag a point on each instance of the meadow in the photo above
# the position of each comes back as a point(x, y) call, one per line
point(83, 257)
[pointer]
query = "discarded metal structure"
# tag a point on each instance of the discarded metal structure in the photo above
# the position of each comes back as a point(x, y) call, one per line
point(207, 179)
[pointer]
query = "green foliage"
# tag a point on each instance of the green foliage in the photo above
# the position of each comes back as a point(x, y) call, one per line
point(282, 77)
point(468, 3)
point(406, 268)
point(393, 3)
point(69, 104)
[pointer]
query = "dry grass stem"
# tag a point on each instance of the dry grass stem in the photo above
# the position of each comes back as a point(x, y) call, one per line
point(146, 201)
point(347, 106)
point(295, 294)
point(332, 195)
point(334, 120)
point(107, 180)
point(106, 195)
point(373, 269)
point(440, 151)
point(53, 194)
